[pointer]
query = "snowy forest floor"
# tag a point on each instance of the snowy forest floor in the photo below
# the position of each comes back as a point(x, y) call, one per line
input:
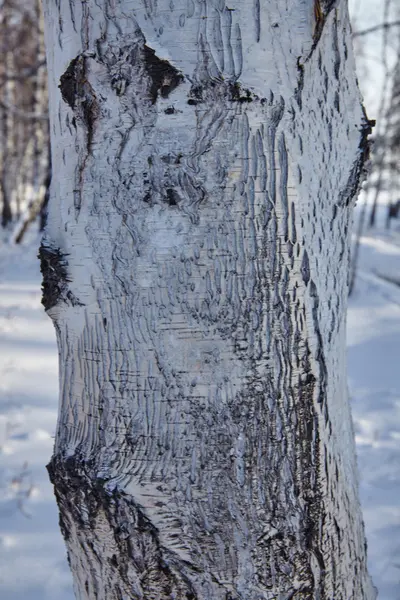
point(373, 347)
point(33, 562)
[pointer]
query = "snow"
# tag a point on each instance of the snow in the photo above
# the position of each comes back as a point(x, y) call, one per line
point(373, 341)
point(33, 561)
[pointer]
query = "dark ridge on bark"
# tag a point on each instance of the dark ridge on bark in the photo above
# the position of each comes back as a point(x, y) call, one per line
point(300, 83)
point(234, 91)
point(305, 268)
point(73, 299)
point(89, 113)
point(53, 266)
point(311, 473)
point(336, 102)
point(335, 47)
point(359, 170)
point(165, 78)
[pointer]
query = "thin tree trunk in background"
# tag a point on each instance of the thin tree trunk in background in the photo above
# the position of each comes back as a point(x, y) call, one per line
point(195, 266)
point(23, 113)
point(6, 213)
point(357, 243)
point(37, 172)
point(382, 119)
point(47, 183)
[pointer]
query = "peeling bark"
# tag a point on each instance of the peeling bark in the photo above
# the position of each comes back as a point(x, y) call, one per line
point(207, 158)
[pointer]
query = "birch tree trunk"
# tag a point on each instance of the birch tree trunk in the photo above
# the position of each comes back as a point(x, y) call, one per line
point(195, 264)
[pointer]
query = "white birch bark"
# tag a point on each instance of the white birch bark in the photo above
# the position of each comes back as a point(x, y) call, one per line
point(206, 156)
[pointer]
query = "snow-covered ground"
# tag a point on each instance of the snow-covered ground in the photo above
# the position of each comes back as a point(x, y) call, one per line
point(373, 341)
point(33, 562)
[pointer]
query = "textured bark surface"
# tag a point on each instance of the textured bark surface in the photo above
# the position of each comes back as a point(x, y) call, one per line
point(195, 266)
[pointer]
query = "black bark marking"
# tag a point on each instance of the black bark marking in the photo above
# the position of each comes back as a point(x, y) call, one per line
point(77, 92)
point(90, 113)
point(68, 83)
point(54, 269)
point(165, 78)
point(300, 83)
point(327, 5)
point(359, 169)
point(172, 197)
point(336, 102)
point(284, 168)
point(311, 472)
point(234, 91)
point(257, 19)
point(305, 268)
point(319, 355)
point(238, 94)
point(196, 95)
point(53, 266)
point(336, 51)
point(73, 299)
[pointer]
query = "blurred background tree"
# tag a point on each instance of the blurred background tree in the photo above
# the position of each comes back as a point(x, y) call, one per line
point(24, 128)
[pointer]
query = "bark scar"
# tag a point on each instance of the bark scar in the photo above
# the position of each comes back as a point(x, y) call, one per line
point(53, 266)
point(54, 269)
point(165, 77)
point(78, 93)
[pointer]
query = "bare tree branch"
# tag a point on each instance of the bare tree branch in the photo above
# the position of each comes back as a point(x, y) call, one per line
point(376, 28)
